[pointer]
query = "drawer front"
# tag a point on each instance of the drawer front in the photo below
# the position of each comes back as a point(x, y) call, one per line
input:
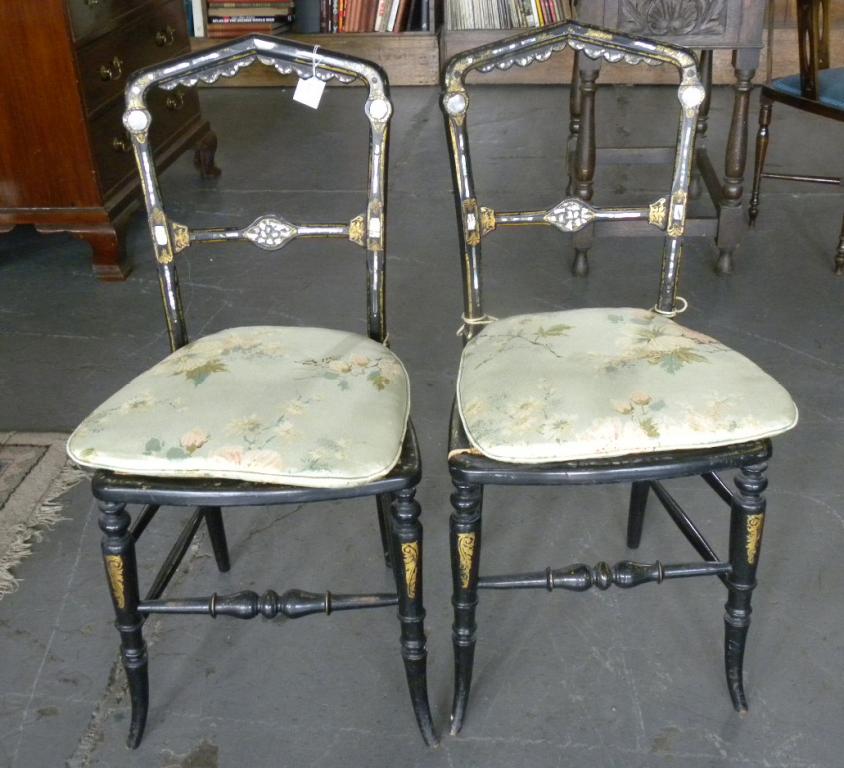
point(91, 17)
point(112, 149)
point(106, 63)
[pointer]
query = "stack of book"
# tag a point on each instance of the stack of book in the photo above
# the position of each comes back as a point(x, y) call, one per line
point(233, 18)
point(373, 15)
point(506, 14)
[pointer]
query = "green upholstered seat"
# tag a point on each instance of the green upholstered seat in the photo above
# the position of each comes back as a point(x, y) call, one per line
point(591, 383)
point(297, 406)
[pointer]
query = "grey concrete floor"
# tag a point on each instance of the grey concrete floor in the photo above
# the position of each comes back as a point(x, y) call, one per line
point(604, 679)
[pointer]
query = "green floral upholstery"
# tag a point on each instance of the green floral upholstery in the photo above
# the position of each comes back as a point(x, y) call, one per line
point(298, 406)
point(589, 383)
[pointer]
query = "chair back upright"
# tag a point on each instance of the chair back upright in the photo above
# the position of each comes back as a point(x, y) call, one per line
point(269, 231)
point(571, 214)
point(813, 41)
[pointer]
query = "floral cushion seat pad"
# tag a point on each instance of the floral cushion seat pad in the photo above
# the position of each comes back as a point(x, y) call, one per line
point(590, 383)
point(286, 405)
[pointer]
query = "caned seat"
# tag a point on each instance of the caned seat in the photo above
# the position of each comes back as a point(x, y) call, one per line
point(260, 415)
point(599, 395)
point(592, 383)
point(298, 406)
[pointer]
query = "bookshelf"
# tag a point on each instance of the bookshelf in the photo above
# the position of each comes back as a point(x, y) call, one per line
point(606, 13)
point(409, 58)
point(416, 58)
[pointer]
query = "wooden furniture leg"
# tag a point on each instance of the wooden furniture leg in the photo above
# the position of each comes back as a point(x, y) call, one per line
point(762, 138)
point(465, 541)
point(584, 161)
point(574, 121)
point(636, 515)
point(109, 260)
point(203, 156)
point(385, 502)
point(118, 547)
point(406, 534)
point(217, 535)
point(695, 183)
point(746, 523)
point(730, 218)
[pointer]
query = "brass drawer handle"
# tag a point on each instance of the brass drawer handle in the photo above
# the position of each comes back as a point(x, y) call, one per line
point(111, 71)
point(175, 101)
point(121, 143)
point(165, 37)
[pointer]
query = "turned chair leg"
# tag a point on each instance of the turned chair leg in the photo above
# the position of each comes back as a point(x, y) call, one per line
point(406, 532)
point(574, 121)
point(584, 163)
point(385, 501)
point(636, 515)
point(204, 155)
point(696, 182)
point(839, 256)
point(465, 558)
point(747, 520)
point(762, 138)
point(217, 534)
point(118, 547)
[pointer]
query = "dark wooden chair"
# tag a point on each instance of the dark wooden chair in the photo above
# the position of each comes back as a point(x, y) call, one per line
point(816, 89)
point(601, 395)
point(258, 415)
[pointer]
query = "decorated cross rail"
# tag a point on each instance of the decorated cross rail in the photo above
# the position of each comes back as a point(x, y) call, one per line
point(624, 574)
point(247, 604)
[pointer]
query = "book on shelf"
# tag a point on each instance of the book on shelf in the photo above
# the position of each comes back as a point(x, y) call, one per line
point(195, 17)
point(506, 14)
point(374, 15)
point(234, 18)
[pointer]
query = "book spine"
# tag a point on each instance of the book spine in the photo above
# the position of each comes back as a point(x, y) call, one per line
point(235, 28)
point(371, 14)
point(249, 19)
point(391, 22)
point(379, 15)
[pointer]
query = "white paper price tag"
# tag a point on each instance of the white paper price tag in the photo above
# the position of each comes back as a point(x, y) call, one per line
point(309, 92)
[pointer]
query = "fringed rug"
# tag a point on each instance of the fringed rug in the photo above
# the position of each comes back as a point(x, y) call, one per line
point(34, 473)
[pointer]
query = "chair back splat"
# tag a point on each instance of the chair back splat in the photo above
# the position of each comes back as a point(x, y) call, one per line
point(270, 231)
point(571, 214)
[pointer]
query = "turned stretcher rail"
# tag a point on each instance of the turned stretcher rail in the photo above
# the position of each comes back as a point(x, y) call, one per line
point(247, 604)
point(624, 574)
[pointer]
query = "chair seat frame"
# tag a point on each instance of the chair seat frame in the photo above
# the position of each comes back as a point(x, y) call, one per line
point(471, 471)
point(398, 510)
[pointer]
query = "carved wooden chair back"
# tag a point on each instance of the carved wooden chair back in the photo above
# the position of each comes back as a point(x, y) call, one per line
point(270, 232)
point(571, 214)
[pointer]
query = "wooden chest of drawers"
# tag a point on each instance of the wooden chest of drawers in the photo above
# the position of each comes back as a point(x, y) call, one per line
point(65, 162)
